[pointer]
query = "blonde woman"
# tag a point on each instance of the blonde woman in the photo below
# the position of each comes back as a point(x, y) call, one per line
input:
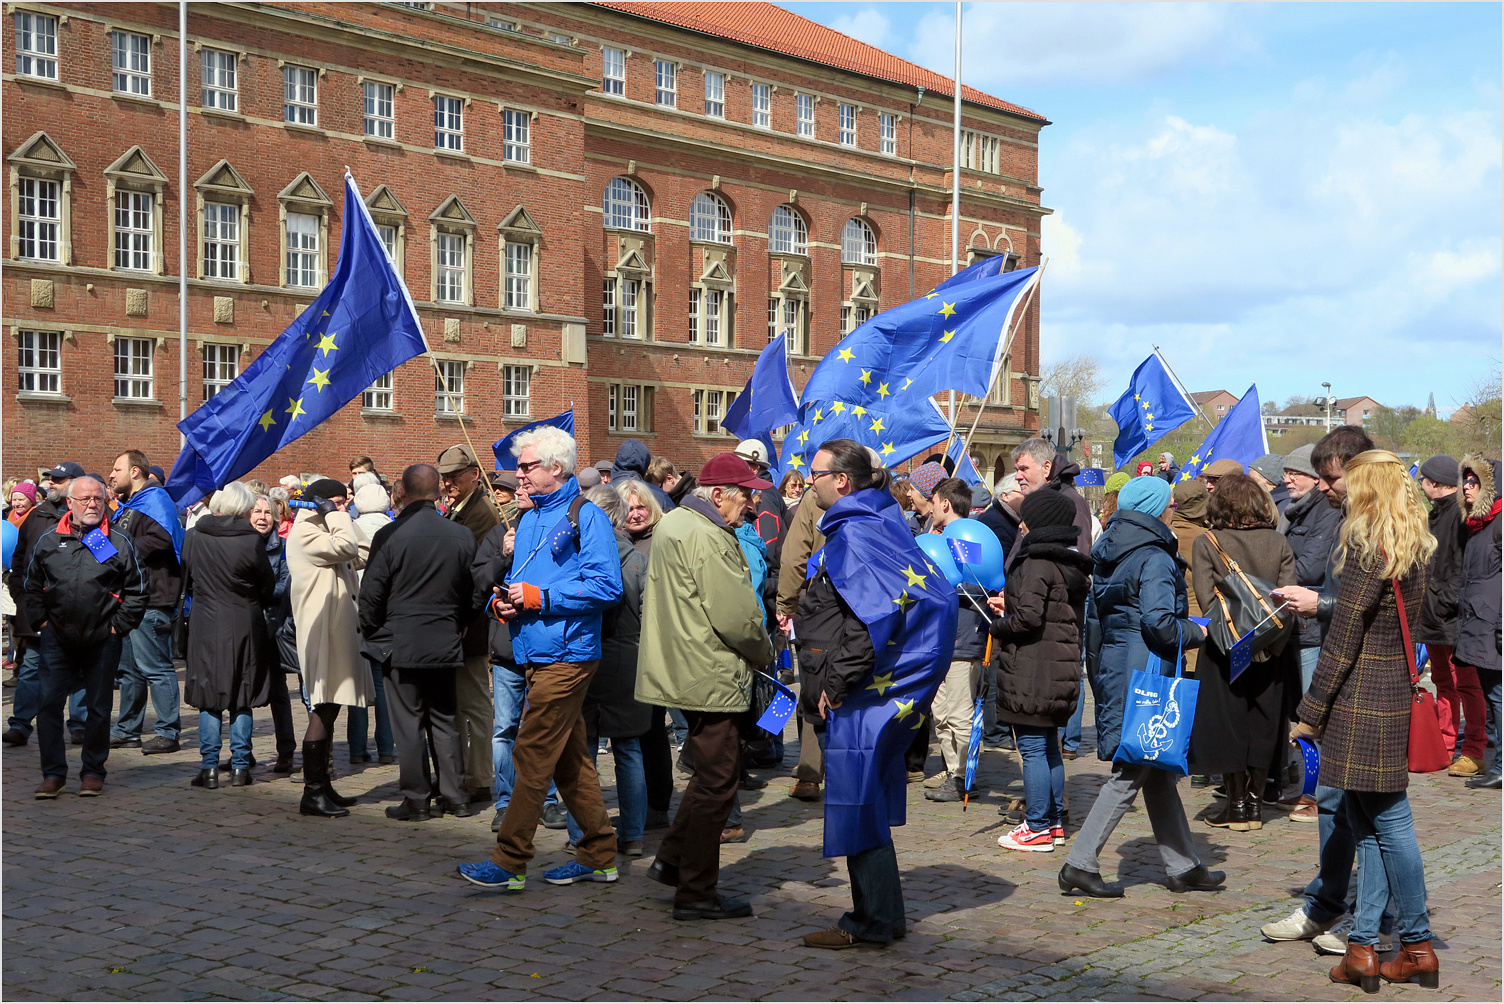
point(1358, 709)
point(643, 513)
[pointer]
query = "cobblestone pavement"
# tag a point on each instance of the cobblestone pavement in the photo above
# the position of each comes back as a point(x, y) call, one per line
point(159, 891)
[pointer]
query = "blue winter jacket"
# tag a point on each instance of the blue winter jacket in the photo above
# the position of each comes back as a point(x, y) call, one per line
point(755, 550)
point(583, 580)
point(1137, 605)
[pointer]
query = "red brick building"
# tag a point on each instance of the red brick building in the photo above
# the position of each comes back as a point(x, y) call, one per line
point(614, 205)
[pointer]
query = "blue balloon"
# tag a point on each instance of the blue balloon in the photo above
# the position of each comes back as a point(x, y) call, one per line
point(8, 535)
point(988, 564)
point(934, 547)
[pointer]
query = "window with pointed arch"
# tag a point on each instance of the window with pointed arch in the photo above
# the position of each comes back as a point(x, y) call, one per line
point(625, 206)
point(858, 243)
point(710, 219)
point(787, 232)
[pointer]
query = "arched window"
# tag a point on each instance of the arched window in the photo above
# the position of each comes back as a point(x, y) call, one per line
point(787, 232)
point(858, 243)
point(626, 206)
point(710, 219)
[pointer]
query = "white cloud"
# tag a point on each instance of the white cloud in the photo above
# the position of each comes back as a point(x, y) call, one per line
point(868, 25)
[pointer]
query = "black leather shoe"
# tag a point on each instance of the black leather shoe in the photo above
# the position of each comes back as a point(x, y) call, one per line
point(554, 817)
point(283, 764)
point(76, 736)
point(459, 811)
point(336, 797)
point(124, 742)
point(1198, 879)
point(386, 757)
point(206, 779)
point(316, 803)
point(662, 871)
point(14, 737)
point(1490, 781)
point(409, 811)
point(159, 745)
point(1088, 882)
point(719, 908)
point(240, 777)
point(750, 783)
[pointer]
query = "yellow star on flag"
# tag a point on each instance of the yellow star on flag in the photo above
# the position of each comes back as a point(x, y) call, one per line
point(846, 355)
point(1148, 426)
point(803, 436)
point(1186, 476)
point(881, 683)
point(818, 414)
point(326, 313)
point(320, 378)
point(882, 390)
point(866, 377)
point(1137, 397)
point(930, 567)
point(797, 460)
point(907, 383)
point(915, 579)
point(887, 449)
point(904, 600)
point(837, 407)
point(918, 723)
point(1195, 459)
point(326, 342)
point(877, 425)
point(948, 309)
point(858, 410)
point(931, 295)
point(947, 336)
point(266, 421)
point(905, 708)
point(295, 408)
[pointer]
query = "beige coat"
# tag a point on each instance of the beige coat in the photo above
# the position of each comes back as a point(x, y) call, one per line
point(323, 555)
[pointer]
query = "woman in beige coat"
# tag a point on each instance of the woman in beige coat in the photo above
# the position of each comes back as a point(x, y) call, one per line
point(325, 549)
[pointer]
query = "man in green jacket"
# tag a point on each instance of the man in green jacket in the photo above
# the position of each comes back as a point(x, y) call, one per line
point(702, 632)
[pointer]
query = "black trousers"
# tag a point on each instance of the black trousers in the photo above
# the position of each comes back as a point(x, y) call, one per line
point(694, 841)
point(421, 704)
point(658, 762)
point(64, 671)
point(876, 896)
point(280, 703)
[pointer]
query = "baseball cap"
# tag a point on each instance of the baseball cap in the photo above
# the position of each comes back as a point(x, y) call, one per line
point(65, 471)
point(752, 451)
point(456, 459)
point(729, 469)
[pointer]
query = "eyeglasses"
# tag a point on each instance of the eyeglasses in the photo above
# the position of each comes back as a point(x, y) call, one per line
point(815, 475)
point(88, 503)
point(527, 467)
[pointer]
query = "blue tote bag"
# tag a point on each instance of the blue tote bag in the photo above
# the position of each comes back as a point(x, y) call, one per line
point(1157, 716)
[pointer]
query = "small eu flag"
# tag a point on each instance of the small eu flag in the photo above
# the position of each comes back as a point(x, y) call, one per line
point(1241, 656)
point(1091, 477)
point(99, 545)
point(780, 708)
point(966, 552)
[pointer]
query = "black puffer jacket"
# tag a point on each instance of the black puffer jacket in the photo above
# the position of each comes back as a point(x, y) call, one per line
point(1438, 615)
point(76, 595)
point(41, 520)
point(835, 647)
point(1478, 599)
point(1041, 634)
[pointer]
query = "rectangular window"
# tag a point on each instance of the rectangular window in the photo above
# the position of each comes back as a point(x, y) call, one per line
point(130, 56)
point(554, 36)
point(221, 240)
point(712, 412)
point(133, 368)
point(388, 235)
point(380, 110)
point(221, 367)
point(714, 298)
point(516, 142)
point(497, 22)
point(627, 422)
point(887, 127)
point(449, 387)
point(611, 397)
point(772, 319)
point(519, 278)
point(666, 86)
point(608, 308)
point(36, 45)
point(848, 125)
point(40, 219)
point(715, 95)
point(39, 364)
point(515, 381)
point(448, 123)
point(694, 313)
point(378, 396)
point(845, 319)
point(804, 107)
point(613, 71)
point(628, 308)
point(303, 250)
point(134, 230)
point(300, 95)
point(762, 106)
point(450, 274)
point(219, 86)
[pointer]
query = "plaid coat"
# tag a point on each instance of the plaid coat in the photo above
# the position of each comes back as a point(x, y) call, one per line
point(1359, 699)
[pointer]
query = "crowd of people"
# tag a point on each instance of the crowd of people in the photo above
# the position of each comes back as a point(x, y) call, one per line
point(494, 633)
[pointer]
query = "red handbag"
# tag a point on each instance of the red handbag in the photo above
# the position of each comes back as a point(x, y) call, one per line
point(1428, 750)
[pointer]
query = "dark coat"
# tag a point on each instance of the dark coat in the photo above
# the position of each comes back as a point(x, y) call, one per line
point(488, 571)
point(1137, 606)
point(279, 611)
point(417, 595)
point(610, 710)
point(478, 515)
point(1001, 522)
point(1239, 723)
point(230, 651)
point(1041, 635)
point(835, 647)
point(1312, 525)
point(78, 597)
point(1478, 608)
point(631, 464)
point(1437, 624)
point(1281, 496)
point(40, 520)
point(1360, 696)
point(159, 560)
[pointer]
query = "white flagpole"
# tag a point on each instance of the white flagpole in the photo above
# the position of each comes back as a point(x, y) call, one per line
point(1181, 387)
point(955, 187)
point(182, 218)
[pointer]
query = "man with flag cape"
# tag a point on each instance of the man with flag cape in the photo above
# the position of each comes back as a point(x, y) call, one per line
point(876, 629)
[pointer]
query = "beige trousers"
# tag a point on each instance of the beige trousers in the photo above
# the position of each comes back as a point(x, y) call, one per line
point(953, 707)
point(475, 721)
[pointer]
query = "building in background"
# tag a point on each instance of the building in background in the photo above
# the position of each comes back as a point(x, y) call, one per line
point(1215, 403)
point(614, 206)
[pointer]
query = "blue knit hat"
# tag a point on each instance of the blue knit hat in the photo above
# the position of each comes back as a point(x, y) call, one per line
point(1149, 495)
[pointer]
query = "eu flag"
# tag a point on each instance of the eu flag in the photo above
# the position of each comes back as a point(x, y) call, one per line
point(502, 448)
point(910, 612)
point(767, 401)
point(896, 431)
point(965, 469)
point(1152, 406)
point(1239, 436)
point(361, 326)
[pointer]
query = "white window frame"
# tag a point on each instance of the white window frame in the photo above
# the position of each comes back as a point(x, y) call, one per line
point(665, 83)
point(561, 38)
point(379, 396)
point(789, 238)
point(130, 63)
point(303, 258)
point(219, 79)
point(629, 399)
point(382, 229)
point(136, 380)
point(715, 94)
point(135, 240)
point(887, 131)
point(222, 237)
point(517, 131)
point(625, 206)
point(502, 25)
point(858, 242)
point(516, 391)
point(611, 396)
point(695, 295)
point(608, 307)
point(221, 367)
point(613, 71)
point(804, 114)
point(37, 230)
point(300, 95)
point(448, 123)
point(762, 106)
point(379, 109)
point(39, 361)
point(36, 45)
point(709, 219)
point(629, 295)
point(451, 267)
point(517, 259)
point(708, 405)
point(790, 314)
point(450, 373)
point(848, 125)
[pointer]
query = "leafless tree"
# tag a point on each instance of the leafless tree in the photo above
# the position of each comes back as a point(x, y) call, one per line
point(1078, 376)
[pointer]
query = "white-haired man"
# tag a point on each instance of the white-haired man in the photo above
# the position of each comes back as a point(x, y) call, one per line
point(565, 571)
point(1038, 466)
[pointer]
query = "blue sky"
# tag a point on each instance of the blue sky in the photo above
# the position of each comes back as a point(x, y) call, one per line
point(1284, 193)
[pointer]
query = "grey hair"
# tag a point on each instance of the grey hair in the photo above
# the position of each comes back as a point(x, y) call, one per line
point(553, 446)
point(1041, 450)
point(278, 494)
point(630, 488)
point(234, 499)
point(610, 502)
point(703, 492)
point(88, 477)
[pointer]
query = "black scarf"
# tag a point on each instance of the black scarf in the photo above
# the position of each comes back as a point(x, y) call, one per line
point(1069, 535)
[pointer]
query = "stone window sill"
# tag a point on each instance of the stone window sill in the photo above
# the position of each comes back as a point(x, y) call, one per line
point(38, 397)
point(380, 413)
point(135, 402)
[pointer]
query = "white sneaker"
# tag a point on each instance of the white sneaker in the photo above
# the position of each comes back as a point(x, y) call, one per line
point(1021, 838)
point(1334, 942)
point(1296, 927)
point(940, 780)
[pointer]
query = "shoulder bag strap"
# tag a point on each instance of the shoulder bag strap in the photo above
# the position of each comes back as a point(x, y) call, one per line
point(1233, 568)
point(1399, 599)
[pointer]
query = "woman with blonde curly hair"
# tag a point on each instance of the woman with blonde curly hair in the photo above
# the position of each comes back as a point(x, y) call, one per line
point(1358, 709)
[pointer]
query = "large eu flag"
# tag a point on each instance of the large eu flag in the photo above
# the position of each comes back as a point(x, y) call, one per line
point(768, 401)
point(361, 326)
point(1239, 436)
point(910, 612)
point(1151, 407)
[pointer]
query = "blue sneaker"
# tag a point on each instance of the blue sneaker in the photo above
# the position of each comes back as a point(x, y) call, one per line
point(575, 872)
point(489, 875)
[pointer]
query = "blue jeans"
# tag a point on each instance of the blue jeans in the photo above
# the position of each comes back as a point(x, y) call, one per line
point(631, 790)
point(508, 696)
point(146, 664)
point(358, 720)
point(1044, 775)
point(1310, 655)
point(1072, 738)
point(209, 744)
point(678, 725)
point(28, 694)
point(876, 896)
point(1389, 867)
point(1489, 680)
point(64, 670)
point(1329, 895)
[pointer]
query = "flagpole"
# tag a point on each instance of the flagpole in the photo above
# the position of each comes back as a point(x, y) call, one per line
point(444, 382)
point(1181, 387)
point(955, 192)
point(182, 219)
point(1012, 333)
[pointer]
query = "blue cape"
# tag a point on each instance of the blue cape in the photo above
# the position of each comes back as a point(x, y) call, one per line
point(156, 503)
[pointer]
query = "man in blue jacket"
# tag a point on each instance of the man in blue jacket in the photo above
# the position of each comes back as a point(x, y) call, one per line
point(565, 572)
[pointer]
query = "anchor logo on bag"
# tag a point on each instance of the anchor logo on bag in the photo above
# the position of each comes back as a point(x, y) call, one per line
point(1154, 736)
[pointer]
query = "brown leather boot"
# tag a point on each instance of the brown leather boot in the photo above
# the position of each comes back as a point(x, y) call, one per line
point(1359, 966)
point(1418, 959)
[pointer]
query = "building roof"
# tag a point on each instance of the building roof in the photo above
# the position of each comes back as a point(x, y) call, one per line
point(1203, 396)
point(1343, 403)
point(769, 26)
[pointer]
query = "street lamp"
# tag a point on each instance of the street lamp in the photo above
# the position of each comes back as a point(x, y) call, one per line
point(1328, 388)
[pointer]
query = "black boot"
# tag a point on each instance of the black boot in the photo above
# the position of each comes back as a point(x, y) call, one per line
point(329, 791)
point(239, 777)
point(316, 801)
point(207, 778)
point(1234, 812)
point(1088, 882)
point(1253, 805)
point(1197, 878)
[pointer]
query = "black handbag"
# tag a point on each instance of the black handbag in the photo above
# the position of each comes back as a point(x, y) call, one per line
point(180, 625)
point(1242, 605)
